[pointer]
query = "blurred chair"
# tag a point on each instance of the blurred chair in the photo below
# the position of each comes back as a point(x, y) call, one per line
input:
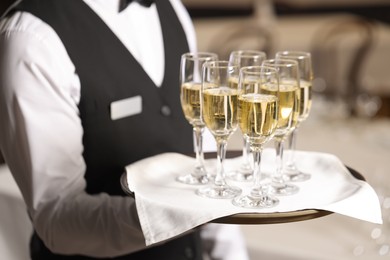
point(339, 51)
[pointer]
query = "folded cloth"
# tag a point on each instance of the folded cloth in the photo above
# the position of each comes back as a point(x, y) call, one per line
point(167, 208)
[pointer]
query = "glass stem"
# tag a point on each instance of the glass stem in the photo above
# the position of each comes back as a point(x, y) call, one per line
point(198, 137)
point(256, 169)
point(245, 153)
point(221, 153)
point(277, 178)
point(292, 145)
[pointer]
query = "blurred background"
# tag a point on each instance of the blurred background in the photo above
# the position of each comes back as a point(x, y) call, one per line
point(350, 45)
point(349, 41)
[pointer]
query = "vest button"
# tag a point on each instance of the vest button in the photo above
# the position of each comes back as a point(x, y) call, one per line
point(189, 253)
point(165, 110)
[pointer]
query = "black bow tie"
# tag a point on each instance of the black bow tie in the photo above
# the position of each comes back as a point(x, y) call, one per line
point(124, 3)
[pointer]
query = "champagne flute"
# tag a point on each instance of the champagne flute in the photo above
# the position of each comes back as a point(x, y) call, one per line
point(190, 85)
point(219, 113)
point(244, 58)
point(288, 117)
point(291, 171)
point(258, 120)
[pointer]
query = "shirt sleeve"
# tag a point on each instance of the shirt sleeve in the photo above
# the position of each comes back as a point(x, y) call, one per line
point(41, 140)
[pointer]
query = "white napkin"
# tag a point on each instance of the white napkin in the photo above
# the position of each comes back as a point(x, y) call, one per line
point(167, 208)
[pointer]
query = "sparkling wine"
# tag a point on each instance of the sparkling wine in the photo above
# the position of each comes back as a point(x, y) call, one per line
point(288, 105)
point(258, 117)
point(190, 102)
point(233, 82)
point(220, 110)
point(305, 99)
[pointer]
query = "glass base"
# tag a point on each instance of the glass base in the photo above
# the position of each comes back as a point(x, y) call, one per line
point(291, 173)
point(193, 179)
point(241, 175)
point(283, 189)
point(219, 192)
point(255, 202)
point(296, 176)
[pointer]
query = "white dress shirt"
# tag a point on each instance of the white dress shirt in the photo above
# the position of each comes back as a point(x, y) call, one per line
point(41, 132)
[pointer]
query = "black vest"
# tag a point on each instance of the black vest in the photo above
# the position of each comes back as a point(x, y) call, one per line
point(108, 72)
